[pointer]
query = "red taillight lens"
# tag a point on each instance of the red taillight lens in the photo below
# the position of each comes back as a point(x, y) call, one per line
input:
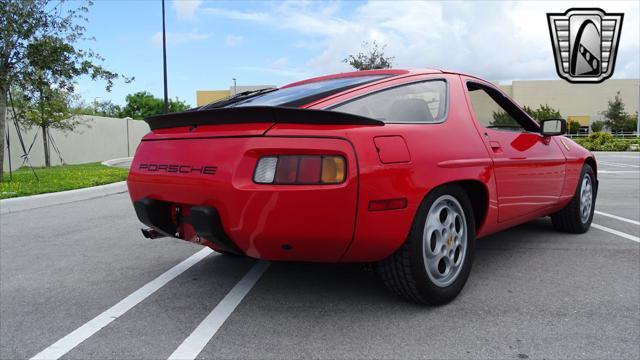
point(310, 169)
point(287, 169)
point(300, 169)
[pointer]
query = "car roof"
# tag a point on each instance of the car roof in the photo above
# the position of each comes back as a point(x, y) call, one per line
point(391, 72)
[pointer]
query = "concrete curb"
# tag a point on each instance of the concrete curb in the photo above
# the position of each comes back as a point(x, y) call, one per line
point(8, 206)
point(116, 162)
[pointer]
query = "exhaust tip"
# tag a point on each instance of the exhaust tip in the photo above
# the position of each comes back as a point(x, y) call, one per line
point(152, 233)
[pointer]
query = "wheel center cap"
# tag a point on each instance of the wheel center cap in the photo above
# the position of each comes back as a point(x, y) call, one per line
point(449, 241)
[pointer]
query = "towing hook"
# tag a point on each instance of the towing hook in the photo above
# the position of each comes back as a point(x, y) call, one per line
point(152, 233)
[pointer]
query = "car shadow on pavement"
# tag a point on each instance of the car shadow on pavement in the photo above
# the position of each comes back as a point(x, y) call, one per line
point(346, 304)
point(517, 291)
point(319, 285)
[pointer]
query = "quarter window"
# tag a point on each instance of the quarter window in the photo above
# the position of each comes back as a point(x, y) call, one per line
point(423, 102)
point(494, 111)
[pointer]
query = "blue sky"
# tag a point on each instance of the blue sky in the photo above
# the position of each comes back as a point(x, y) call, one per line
point(264, 42)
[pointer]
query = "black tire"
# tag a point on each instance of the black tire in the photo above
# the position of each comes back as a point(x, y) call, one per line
point(405, 272)
point(570, 218)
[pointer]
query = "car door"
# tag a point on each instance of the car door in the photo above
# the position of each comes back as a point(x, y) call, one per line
point(529, 168)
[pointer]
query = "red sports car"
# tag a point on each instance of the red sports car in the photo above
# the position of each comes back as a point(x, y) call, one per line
point(402, 168)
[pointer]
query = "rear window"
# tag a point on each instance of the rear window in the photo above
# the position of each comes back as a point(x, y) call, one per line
point(303, 94)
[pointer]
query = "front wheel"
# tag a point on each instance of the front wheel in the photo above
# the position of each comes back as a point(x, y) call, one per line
point(576, 217)
point(433, 264)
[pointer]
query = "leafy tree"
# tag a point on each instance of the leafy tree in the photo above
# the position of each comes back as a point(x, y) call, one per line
point(597, 126)
point(49, 109)
point(98, 108)
point(502, 119)
point(543, 112)
point(370, 58)
point(574, 127)
point(38, 52)
point(615, 114)
point(143, 104)
point(630, 123)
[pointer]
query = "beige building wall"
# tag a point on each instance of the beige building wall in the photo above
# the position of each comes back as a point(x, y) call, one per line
point(204, 97)
point(96, 139)
point(575, 99)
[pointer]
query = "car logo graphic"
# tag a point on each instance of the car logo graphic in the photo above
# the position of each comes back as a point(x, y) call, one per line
point(585, 43)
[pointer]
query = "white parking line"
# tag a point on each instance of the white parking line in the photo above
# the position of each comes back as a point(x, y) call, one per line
point(617, 217)
point(194, 343)
point(73, 339)
point(618, 164)
point(616, 232)
point(618, 172)
point(624, 156)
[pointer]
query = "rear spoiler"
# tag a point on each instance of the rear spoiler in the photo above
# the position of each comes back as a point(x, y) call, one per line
point(257, 114)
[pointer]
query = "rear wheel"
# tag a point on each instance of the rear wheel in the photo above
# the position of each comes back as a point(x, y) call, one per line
point(433, 264)
point(576, 217)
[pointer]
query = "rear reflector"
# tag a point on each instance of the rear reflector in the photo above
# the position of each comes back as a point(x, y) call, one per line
point(387, 204)
point(300, 169)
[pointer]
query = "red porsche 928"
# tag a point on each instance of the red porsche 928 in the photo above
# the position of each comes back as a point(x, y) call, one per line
point(404, 169)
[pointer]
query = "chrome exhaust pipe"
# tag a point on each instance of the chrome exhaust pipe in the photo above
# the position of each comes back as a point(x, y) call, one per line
point(152, 233)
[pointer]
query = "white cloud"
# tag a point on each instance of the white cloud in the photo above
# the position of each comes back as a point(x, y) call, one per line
point(186, 9)
point(280, 63)
point(233, 40)
point(178, 38)
point(294, 74)
point(495, 40)
point(279, 67)
point(237, 15)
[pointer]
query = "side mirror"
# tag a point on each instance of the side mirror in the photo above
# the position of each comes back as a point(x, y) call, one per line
point(553, 127)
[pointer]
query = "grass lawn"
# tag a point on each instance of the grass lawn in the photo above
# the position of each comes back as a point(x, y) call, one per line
point(59, 178)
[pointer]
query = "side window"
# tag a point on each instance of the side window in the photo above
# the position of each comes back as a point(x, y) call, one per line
point(422, 102)
point(493, 110)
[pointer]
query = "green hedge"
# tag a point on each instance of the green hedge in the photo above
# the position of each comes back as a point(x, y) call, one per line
point(607, 142)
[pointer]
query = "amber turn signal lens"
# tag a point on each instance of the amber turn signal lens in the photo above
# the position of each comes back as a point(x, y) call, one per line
point(333, 169)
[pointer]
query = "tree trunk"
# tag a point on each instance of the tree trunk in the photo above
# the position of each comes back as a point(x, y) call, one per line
point(3, 121)
point(45, 142)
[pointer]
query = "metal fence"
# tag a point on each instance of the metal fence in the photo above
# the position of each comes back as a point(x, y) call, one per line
point(620, 134)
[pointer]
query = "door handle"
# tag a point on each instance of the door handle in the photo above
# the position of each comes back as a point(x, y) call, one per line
point(495, 146)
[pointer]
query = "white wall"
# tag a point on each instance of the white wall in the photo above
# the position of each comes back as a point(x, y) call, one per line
point(96, 139)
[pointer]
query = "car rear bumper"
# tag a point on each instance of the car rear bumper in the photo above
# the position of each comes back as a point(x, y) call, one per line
point(227, 211)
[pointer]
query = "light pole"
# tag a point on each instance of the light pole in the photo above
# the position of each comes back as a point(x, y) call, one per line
point(165, 108)
point(235, 88)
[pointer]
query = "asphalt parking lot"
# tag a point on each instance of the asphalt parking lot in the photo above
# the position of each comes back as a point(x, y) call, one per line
point(79, 281)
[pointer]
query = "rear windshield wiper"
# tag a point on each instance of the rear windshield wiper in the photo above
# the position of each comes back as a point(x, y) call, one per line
point(237, 97)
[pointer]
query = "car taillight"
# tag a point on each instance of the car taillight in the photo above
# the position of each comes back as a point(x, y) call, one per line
point(300, 169)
